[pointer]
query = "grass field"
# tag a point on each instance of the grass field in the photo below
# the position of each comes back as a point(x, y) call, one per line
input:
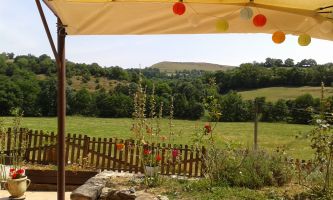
point(276, 93)
point(171, 67)
point(271, 135)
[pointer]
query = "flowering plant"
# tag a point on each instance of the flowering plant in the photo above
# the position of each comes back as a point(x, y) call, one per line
point(120, 146)
point(151, 159)
point(16, 173)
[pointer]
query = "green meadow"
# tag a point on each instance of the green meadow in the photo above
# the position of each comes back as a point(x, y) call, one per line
point(271, 135)
point(276, 93)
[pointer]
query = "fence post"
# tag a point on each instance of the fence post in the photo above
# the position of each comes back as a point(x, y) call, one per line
point(86, 143)
point(203, 160)
point(9, 141)
point(28, 149)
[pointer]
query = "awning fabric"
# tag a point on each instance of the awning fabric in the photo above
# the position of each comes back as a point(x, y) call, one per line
point(130, 17)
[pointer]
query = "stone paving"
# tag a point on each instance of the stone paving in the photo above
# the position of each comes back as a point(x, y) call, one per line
point(35, 195)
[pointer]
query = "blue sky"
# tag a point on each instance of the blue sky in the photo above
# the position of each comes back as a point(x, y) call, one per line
point(21, 32)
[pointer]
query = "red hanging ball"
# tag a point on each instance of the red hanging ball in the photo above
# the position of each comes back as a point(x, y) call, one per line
point(259, 20)
point(179, 8)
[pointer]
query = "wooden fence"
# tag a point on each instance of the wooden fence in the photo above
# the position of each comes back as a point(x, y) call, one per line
point(102, 153)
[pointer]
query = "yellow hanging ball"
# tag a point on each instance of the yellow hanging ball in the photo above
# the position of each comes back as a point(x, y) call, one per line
point(222, 25)
point(304, 39)
point(278, 37)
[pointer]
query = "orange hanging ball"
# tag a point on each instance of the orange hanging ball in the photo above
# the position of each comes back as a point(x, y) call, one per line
point(259, 20)
point(179, 8)
point(278, 37)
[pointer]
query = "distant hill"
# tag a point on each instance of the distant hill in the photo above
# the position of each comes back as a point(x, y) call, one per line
point(171, 67)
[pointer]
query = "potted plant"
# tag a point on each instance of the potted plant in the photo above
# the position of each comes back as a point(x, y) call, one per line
point(151, 161)
point(17, 183)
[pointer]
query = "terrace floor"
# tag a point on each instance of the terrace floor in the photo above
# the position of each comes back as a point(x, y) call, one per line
point(35, 195)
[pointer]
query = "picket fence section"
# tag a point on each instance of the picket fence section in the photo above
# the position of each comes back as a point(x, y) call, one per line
point(102, 153)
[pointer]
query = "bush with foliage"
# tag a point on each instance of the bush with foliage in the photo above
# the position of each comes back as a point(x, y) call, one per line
point(234, 166)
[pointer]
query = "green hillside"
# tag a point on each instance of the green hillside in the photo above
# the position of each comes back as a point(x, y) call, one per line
point(171, 67)
point(275, 93)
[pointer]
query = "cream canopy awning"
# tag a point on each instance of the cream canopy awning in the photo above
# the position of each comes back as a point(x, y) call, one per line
point(126, 17)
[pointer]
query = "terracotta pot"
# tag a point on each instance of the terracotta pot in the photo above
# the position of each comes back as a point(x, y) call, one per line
point(151, 171)
point(17, 187)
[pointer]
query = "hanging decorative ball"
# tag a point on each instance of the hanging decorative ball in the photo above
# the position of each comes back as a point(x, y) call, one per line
point(179, 8)
point(278, 37)
point(259, 20)
point(326, 26)
point(304, 39)
point(194, 20)
point(246, 13)
point(222, 25)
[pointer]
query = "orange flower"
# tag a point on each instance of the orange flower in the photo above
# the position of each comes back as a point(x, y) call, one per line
point(158, 157)
point(120, 146)
point(163, 138)
point(149, 131)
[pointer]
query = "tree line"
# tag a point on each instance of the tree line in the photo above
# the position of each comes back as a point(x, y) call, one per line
point(20, 87)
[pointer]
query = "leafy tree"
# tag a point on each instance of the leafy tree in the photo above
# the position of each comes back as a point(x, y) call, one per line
point(180, 106)
point(83, 102)
point(232, 107)
point(117, 105)
point(307, 63)
point(120, 106)
point(195, 110)
point(280, 111)
point(163, 89)
point(10, 95)
point(289, 62)
point(47, 100)
point(301, 109)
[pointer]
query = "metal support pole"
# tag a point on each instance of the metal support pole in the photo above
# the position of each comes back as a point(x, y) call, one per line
point(47, 30)
point(61, 110)
point(256, 124)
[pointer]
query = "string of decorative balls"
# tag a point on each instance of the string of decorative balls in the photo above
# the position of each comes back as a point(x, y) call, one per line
point(258, 20)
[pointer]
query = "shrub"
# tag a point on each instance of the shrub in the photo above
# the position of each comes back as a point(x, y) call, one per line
point(251, 169)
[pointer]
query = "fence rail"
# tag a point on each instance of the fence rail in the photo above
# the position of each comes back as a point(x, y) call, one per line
point(102, 153)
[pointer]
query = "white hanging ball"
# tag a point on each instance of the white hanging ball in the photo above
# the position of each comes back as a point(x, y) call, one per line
point(309, 21)
point(194, 20)
point(246, 13)
point(326, 26)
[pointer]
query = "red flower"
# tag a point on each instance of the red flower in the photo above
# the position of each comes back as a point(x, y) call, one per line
point(12, 170)
point(20, 171)
point(14, 175)
point(208, 128)
point(158, 157)
point(146, 152)
point(175, 152)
